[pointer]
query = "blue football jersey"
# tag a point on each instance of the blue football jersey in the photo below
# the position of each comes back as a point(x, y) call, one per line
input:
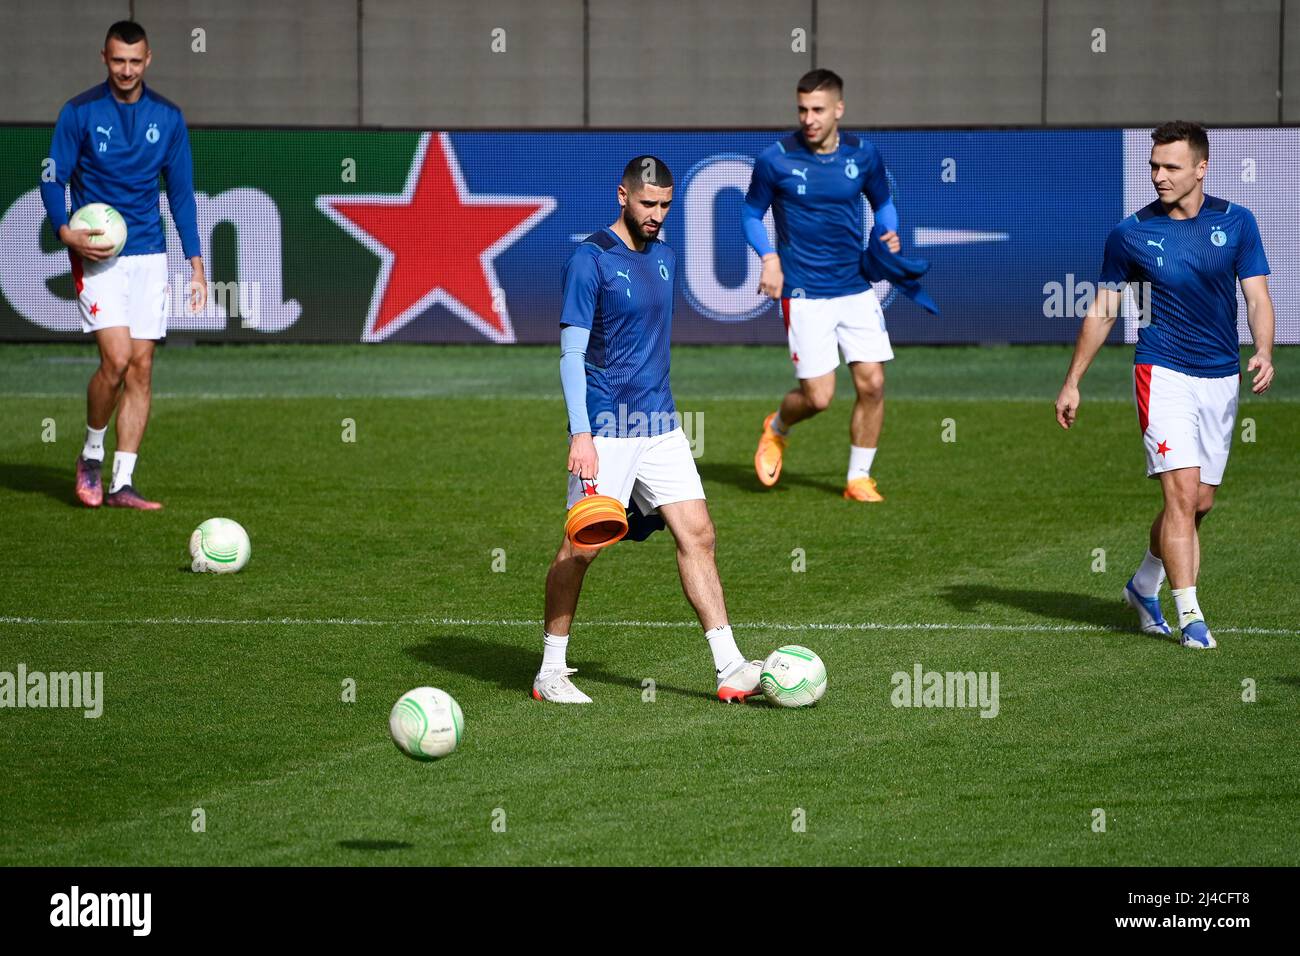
point(1193, 266)
point(816, 201)
point(626, 299)
point(113, 152)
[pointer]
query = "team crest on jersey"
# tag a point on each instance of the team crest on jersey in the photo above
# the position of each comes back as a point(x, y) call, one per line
point(663, 271)
point(151, 134)
point(1218, 237)
point(851, 169)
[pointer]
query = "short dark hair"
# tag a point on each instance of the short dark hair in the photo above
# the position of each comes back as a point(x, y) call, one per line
point(646, 170)
point(128, 31)
point(1178, 130)
point(815, 80)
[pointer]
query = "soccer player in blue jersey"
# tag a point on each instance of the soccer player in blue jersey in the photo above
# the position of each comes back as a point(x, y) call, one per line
point(110, 145)
point(625, 438)
point(814, 181)
point(1191, 250)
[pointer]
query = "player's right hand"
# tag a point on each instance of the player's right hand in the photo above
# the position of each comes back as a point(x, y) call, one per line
point(79, 241)
point(582, 456)
point(772, 280)
point(1067, 405)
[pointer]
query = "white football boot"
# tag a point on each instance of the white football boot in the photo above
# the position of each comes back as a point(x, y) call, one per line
point(555, 686)
point(741, 683)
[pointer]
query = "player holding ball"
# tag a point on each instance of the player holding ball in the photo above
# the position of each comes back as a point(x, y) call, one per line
point(110, 145)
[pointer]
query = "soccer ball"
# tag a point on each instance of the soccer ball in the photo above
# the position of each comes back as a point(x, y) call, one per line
point(219, 545)
point(98, 215)
point(793, 676)
point(426, 723)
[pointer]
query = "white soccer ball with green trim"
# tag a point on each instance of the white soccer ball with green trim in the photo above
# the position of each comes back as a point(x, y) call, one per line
point(426, 723)
point(219, 545)
point(793, 676)
point(99, 215)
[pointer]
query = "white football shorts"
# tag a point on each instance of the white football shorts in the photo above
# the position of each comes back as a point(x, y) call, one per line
point(126, 290)
point(1186, 420)
point(815, 327)
point(655, 470)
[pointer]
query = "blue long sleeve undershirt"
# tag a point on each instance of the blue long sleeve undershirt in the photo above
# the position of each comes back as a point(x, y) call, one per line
point(573, 376)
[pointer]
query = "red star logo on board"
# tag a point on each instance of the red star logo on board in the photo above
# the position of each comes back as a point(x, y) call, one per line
point(436, 243)
point(588, 488)
point(1162, 449)
point(94, 308)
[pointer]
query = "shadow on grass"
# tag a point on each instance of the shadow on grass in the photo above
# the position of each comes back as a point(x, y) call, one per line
point(1079, 608)
point(374, 845)
point(513, 668)
point(742, 476)
point(30, 479)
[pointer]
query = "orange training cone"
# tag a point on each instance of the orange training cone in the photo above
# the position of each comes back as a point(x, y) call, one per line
point(596, 522)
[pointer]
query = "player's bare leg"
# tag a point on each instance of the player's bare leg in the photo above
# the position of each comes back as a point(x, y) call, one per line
point(132, 418)
point(1204, 503)
point(864, 430)
point(811, 397)
point(693, 530)
point(563, 587)
point(137, 395)
point(1180, 549)
point(102, 393)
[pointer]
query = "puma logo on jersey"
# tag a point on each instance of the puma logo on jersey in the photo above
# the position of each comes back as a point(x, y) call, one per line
point(628, 277)
point(107, 132)
point(801, 173)
point(1159, 245)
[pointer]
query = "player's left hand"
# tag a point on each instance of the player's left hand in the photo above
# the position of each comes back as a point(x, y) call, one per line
point(891, 240)
point(198, 297)
point(1262, 366)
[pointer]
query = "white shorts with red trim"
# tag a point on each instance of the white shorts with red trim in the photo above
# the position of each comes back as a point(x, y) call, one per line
point(655, 470)
point(1186, 420)
point(126, 290)
point(854, 323)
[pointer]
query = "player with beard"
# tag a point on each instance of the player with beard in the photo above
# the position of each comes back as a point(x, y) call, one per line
point(625, 438)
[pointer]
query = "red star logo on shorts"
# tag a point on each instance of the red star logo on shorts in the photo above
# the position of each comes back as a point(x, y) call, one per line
point(795, 358)
point(588, 489)
point(1162, 449)
point(94, 308)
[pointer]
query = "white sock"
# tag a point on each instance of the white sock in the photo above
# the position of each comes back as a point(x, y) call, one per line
point(554, 647)
point(726, 655)
point(123, 468)
point(860, 460)
point(93, 450)
point(1188, 608)
point(778, 426)
point(1149, 577)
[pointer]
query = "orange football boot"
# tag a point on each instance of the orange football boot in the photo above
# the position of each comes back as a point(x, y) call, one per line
point(771, 448)
point(862, 489)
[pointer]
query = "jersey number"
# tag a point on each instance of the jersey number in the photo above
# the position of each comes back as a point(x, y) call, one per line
point(802, 188)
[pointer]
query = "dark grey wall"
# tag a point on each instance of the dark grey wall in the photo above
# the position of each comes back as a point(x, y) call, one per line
point(687, 63)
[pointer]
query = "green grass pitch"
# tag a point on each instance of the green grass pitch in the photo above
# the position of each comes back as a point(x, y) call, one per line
point(373, 562)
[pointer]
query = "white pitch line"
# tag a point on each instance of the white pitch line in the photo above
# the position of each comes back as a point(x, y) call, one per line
point(666, 625)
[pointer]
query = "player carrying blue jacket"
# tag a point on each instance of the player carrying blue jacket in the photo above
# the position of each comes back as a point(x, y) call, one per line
point(1190, 250)
point(814, 181)
point(110, 145)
